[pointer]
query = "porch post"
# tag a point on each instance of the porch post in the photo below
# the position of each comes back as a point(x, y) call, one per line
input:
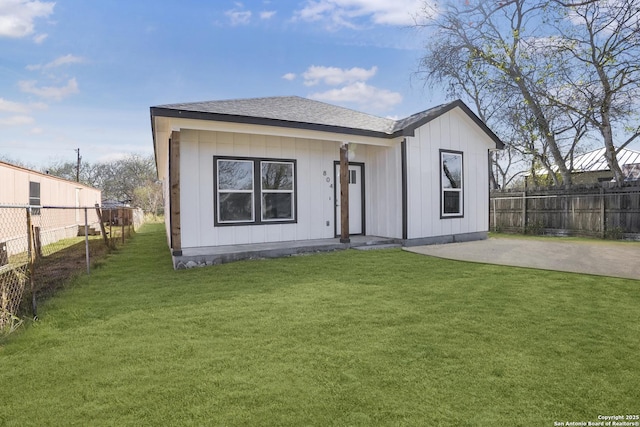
point(344, 193)
point(174, 193)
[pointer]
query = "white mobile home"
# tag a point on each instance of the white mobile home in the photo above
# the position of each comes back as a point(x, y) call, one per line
point(252, 173)
point(22, 187)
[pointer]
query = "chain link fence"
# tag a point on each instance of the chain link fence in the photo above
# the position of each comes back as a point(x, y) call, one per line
point(41, 247)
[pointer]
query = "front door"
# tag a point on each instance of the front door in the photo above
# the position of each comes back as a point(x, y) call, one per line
point(356, 198)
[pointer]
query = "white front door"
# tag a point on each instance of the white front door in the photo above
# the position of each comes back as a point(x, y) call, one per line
point(356, 199)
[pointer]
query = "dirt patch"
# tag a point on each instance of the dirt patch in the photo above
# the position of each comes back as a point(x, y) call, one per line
point(52, 272)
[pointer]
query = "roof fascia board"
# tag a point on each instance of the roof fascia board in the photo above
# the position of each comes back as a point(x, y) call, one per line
point(271, 130)
point(410, 130)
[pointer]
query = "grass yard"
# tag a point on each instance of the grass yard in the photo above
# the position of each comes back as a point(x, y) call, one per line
point(358, 338)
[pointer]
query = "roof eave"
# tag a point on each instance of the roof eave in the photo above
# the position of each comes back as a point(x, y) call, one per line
point(200, 115)
point(409, 130)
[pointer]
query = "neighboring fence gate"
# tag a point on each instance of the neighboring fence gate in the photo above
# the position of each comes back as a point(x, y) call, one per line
point(593, 212)
point(41, 246)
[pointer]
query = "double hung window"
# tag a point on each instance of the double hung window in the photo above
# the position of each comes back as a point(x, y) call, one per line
point(277, 190)
point(254, 191)
point(451, 184)
point(235, 191)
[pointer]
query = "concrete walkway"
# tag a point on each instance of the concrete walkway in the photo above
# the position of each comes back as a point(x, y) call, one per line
point(615, 259)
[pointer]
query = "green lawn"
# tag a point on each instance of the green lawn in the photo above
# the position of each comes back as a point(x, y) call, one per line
point(358, 338)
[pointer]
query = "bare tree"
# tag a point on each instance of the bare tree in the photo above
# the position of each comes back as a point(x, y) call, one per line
point(68, 170)
point(488, 41)
point(16, 162)
point(131, 179)
point(601, 41)
point(149, 198)
point(574, 66)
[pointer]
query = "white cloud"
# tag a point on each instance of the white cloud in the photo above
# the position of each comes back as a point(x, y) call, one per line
point(289, 76)
point(40, 38)
point(12, 107)
point(346, 13)
point(20, 120)
point(267, 14)
point(543, 44)
point(239, 17)
point(315, 10)
point(362, 94)
point(17, 16)
point(334, 76)
point(49, 92)
point(63, 60)
point(20, 108)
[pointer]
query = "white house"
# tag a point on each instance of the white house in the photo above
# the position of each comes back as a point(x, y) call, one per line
point(254, 177)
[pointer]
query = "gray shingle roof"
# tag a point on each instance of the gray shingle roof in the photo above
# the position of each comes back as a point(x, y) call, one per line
point(290, 109)
point(297, 112)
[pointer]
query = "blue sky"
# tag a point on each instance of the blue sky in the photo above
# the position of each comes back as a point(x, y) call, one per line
point(83, 74)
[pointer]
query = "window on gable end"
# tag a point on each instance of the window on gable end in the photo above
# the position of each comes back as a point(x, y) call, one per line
point(451, 184)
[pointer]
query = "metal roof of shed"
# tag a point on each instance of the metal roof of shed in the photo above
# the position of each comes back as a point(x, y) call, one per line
point(594, 161)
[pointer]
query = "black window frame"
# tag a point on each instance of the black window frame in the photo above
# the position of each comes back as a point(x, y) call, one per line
point(35, 200)
point(459, 214)
point(257, 192)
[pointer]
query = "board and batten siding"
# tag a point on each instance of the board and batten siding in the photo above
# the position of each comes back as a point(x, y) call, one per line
point(457, 132)
point(383, 190)
point(314, 182)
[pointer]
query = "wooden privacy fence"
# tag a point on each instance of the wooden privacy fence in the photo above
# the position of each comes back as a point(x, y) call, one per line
point(593, 212)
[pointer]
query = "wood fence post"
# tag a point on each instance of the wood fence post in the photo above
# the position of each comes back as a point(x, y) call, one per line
point(102, 229)
point(37, 242)
point(524, 212)
point(495, 217)
point(603, 213)
point(122, 221)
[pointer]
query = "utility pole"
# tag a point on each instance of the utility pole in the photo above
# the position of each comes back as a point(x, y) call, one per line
point(78, 165)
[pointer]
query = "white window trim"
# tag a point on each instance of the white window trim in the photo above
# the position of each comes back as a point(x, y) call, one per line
point(460, 190)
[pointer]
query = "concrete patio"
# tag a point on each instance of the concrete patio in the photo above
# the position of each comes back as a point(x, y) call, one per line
point(598, 257)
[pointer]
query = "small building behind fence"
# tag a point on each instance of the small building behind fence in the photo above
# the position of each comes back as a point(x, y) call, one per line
point(592, 168)
point(115, 212)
